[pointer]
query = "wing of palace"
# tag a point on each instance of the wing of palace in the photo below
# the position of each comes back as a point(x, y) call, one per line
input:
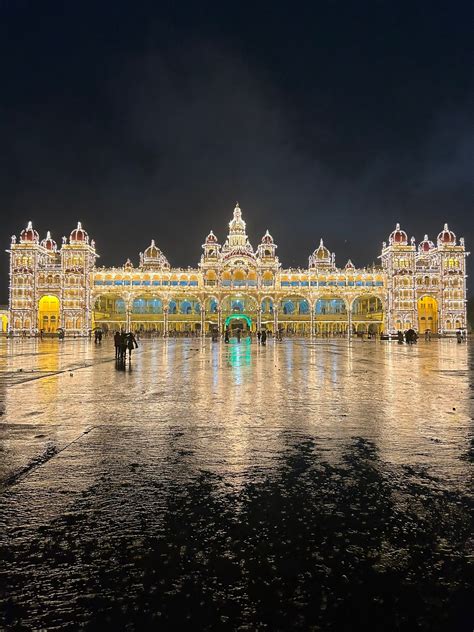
point(234, 285)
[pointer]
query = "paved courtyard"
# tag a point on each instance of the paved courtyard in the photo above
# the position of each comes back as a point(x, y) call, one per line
point(304, 485)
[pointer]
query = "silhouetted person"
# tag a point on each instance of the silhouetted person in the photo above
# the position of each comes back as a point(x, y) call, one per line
point(400, 337)
point(264, 337)
point(123, 346)
point(411, 336)
point(459, 336)
point(238, 335)
point(259, 335)
point(427, 335)
point(131, 344)
point(226, 335)
point(117, 344)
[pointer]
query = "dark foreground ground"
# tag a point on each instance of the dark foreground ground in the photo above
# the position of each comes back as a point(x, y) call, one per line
point(307, 486)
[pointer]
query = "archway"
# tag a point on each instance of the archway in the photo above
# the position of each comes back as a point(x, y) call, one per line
point(238, 318)
point(427, 314)
point(3, 323)
point(240, 306)
point(294, 315)
point(146, 314)
point(109, 311)
point(48, 314)
point(367, 314)
point(330, 315)
point(184, 315)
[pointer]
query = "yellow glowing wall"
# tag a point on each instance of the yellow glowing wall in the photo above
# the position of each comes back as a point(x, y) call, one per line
point(48, 314)
point(427, 314)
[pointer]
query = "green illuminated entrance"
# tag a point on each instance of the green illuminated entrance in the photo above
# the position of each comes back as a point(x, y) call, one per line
point(238, 317)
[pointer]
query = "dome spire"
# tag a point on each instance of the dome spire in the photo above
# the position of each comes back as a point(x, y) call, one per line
point(237, 242)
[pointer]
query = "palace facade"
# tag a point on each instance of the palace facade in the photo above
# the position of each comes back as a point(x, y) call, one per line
point(52, 287)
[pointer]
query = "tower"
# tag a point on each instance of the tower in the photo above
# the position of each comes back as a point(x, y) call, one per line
point(452, 281)
point(78, 258)
point(237, 242)
point(398, 261)
point(211, 249)
point(24, 264)
point(266, 249)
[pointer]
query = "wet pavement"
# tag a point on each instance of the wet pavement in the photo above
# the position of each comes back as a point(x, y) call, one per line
point(306, 485)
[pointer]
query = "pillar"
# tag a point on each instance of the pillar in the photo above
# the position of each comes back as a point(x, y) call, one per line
point(219, 319)
point(259, 320)
point(203, 320)
point(165, 322)
point(311, 333)
point(275, 319)
point(349, 322)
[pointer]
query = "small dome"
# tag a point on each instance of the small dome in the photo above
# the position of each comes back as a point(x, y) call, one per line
point(78, 235)
point(154, 257)
point(152, 252)
point(398, 236)
point(321, 252)
point(426, 245)
point(29, 234)
point(267, 238)
point(211, 238)
point(446, 237)
point(49, 243)
point(128, 264)
point(349, 265)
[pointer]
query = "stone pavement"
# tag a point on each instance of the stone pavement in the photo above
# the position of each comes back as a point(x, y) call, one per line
point(305, 485)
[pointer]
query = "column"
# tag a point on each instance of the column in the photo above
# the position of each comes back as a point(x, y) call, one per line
point(127, 318)
point(275, 319)
point(259, 320)
point(219, 319)
point(203, 320)
point(311, 333)
point(349, 321)
point(165, 322)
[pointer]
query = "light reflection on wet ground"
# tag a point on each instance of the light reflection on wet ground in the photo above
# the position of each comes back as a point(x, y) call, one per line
point(235, 487)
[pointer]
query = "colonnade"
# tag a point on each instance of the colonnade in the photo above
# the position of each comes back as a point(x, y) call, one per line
point(359, 314)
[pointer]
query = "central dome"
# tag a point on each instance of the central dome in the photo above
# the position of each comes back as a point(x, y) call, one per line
point(237, 243)
point(237, 224)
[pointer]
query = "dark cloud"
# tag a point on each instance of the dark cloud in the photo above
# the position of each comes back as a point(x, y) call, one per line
point(145, 123)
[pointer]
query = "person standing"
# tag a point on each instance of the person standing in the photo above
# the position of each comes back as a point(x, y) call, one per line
point(131, 344)
point(117, 344)
point(259, 335)
point(264, 338)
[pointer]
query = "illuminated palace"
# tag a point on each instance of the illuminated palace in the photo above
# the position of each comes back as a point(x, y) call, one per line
point(421, 286)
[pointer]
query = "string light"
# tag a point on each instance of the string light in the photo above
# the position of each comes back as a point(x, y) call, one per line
point(422, 287)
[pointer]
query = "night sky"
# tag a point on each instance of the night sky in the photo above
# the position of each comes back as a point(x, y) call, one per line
point(150, 119)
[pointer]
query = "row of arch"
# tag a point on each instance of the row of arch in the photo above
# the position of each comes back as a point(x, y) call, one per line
point(289, 306)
